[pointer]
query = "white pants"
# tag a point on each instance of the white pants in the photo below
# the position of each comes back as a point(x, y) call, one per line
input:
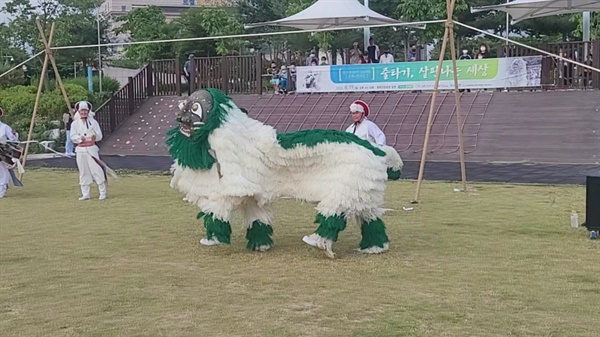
point(89, 170)
point(4, 178)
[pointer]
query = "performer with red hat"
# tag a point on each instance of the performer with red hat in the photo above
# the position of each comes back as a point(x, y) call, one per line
point(7, 135)
point(363, 127)
point(85, 132)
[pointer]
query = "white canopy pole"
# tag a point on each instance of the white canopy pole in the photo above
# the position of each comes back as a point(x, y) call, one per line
point(586, 34)
point(367, 31)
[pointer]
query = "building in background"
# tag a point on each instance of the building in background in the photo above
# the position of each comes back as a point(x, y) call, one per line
point(171, 8)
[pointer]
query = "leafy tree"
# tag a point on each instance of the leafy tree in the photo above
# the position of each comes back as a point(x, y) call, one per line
point(8, 51)
point(425, 10)
point(201, 22)
point(218, 22)
point(256, 11)
point(146, 24)
point(16, 77)
point(594, 25)
point(189, 26)
point(76, 23)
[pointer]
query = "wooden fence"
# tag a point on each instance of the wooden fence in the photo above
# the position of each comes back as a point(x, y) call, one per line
point(125, 101)
point(559, 74)
point(232, 74)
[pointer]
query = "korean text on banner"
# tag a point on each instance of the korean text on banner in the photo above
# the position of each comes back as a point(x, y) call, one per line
point(510, 72)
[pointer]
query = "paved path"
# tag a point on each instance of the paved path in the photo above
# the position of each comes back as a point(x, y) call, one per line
point(449, 171)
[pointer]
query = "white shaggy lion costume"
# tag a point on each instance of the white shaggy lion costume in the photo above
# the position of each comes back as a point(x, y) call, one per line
point(226, 161)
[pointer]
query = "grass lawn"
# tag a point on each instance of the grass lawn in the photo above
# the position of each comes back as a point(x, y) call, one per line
point(499, 261)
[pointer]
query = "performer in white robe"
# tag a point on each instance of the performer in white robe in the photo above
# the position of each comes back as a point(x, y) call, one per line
point(363, 127)
point(6, 134)
point(85, 132)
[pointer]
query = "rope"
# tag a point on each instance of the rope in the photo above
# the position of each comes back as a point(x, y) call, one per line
point(22, 169)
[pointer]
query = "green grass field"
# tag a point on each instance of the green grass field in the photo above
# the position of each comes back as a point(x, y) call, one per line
point(501, 260)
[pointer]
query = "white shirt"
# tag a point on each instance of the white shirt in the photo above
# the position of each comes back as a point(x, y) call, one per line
point(389, 58)
point(369, 131)
point(7, 133)
point(85, 129)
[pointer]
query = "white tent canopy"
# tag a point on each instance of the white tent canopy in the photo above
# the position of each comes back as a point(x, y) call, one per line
point(520, 10)
point(331, 13)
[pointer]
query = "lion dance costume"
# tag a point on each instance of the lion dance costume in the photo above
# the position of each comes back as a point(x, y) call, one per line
point(226, 161)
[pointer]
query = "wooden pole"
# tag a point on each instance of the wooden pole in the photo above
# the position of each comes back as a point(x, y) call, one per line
point(37, 99)
point(53, 61)
point(461, 149)
point(447, 31)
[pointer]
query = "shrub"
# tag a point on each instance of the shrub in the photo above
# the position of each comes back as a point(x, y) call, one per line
point(18, 103)
point(109, 84)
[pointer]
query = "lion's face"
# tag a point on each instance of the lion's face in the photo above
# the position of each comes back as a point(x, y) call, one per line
point(193, 112)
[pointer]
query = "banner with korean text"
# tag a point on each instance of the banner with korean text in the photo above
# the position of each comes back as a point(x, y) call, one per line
point(510, 72)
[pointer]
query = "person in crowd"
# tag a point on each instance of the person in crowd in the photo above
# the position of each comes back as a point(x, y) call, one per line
point(373, 51)
point(483, 52)
point(186, 71)
point(355, 54)
point(69, 146)
point(386, 57)
point(412, 53)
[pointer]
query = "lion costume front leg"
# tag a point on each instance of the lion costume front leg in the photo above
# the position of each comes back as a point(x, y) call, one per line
point(216, 214)
point(257, 222)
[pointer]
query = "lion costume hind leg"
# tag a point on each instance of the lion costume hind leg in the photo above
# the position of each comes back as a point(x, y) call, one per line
point(353, 187)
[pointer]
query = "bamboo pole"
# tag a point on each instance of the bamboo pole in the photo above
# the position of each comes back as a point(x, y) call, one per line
point(461, 149)
point(53, 61)
point(37, 98)
point(449, 24)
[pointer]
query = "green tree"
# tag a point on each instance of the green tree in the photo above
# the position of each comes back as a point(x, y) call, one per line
point(218, 22)
point(76, 24)
point(256, 11)
point(146, 24)
point(577, 19)
point(425, 10)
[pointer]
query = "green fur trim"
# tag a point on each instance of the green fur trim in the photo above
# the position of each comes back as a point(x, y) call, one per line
point(393, 174)
point(217, 228)
point(190, 152)
point(259, 235)
point(373, 234)
point(331, 226)
point(193, 152)
point(314, 137)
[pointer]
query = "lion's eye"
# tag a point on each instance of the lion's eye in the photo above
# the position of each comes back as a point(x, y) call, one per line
point(197, 109)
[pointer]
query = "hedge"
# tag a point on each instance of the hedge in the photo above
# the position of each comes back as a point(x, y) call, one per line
point(18, 103)
point(109, 84)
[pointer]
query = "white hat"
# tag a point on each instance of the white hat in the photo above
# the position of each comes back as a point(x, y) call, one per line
point(359, 106)
point(83, 105)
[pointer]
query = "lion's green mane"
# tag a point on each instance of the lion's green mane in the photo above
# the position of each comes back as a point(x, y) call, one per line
point(194, 152)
